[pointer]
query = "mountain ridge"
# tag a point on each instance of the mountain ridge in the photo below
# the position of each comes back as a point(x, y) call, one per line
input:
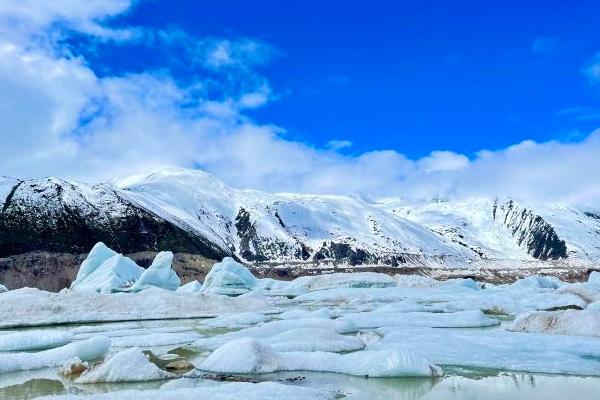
point(194, 212)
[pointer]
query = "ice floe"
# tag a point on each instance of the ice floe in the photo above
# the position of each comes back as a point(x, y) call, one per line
point(461, 319)
point(129, 365)
point(33, 340)
point(235, 320)
point(269, 330)
point(497, 349)
point(86, 350)
point(32, 307)
point(250, 356)
point(568, 322)
point(159, 274)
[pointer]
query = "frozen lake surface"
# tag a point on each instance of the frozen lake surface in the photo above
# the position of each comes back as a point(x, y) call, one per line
point(354, 336)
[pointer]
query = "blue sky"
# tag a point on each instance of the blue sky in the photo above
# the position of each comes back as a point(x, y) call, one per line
point(452, 99)
point(408, 76)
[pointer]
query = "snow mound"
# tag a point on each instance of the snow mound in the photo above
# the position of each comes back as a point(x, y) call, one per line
point(190, 287)
point(3, 288)
point(229, 278)
point(115, 274)
point(569, 322)
point(34, 340)
point(129, 365)
point(543, 282)
point(249, 356)
point(98, 255)
point(86, 350)
point(159, 274)
point(228, 391)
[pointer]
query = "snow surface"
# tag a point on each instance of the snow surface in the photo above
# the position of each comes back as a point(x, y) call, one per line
point(249, 356)
point(3, 288)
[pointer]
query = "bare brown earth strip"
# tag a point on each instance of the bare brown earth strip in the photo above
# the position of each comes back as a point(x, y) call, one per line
point(55, 271)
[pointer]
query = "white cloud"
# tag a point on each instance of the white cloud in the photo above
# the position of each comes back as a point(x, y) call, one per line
point(443, 161)
point(336, 145)
point(22, 19)
point(59, 118)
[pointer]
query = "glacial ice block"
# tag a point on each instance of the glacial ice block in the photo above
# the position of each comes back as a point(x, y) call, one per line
point(159, 274)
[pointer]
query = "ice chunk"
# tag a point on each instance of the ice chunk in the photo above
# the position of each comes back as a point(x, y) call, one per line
point(569, 322)
point(129, 365)
point(249, 356)
point(594, 278)
point(461, 319)
point(34, 340)
point(229, 278)
point(115, 274)
point(190, 287)
point(226, 391)
point(159, 274)
point(99, 254)
point(86, 350)
point(538, 281)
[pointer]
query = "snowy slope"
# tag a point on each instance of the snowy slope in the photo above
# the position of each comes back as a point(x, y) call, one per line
point(192, 211)
point(264, 227)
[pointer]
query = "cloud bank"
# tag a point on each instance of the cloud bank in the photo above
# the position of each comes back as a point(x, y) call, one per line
point(61, 118)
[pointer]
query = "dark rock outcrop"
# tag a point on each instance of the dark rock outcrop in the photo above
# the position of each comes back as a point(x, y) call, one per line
point(530, 231)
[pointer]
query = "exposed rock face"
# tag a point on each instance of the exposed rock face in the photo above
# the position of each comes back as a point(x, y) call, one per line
point(55, 271)
point(58, 216)
point(531, 231)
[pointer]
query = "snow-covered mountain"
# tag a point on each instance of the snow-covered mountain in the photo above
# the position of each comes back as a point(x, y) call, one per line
point(191, 211)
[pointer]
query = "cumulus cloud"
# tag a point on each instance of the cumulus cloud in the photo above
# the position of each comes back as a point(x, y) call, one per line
point(60, 118)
